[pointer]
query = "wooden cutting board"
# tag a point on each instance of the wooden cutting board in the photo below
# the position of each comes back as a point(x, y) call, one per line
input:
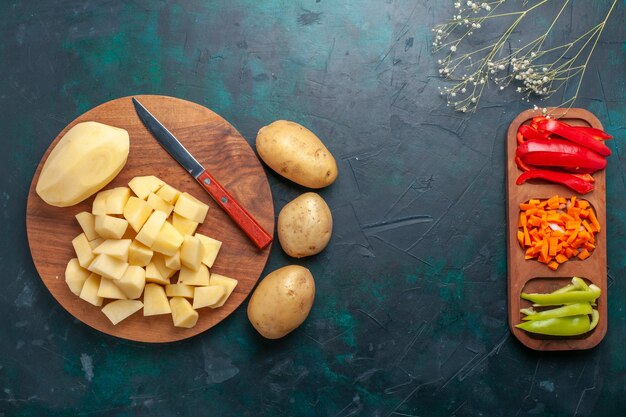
point(223, 152)
point(532, 276)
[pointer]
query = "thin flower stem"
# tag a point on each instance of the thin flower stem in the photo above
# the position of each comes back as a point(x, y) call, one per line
point(539, 71)
point(554, 21)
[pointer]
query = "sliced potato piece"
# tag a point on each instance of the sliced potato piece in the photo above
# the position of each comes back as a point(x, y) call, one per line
point(95, 243)
point(139, 254)
point(168, 241)
point(183, 225)
point(211, 249)
point(109, 227)
point(173, 262)
point(136, 212)
point(108, 289)
point(155, 301)
point(89, 292)
point(229, 285)
point(143, 186)
point(99, 205)
point(208, 296)
point(192, 252)
point(188, 276)
point(116, 200)
point(157, 203)
point(86, 221)
point(83, 250)
point(132, 282)
point(117, 248)
point(191, 208)
point(119, 310)
point(75, 276)
point(183, 313)
point(168, 193)
point(179, 290)
point(108, 266)
point(154, 276)
point(151, 228)
point(157, 271)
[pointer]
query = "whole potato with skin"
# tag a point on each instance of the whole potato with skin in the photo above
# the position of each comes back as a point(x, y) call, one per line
point(296, 153)
point(282, 301)
point(305, 225)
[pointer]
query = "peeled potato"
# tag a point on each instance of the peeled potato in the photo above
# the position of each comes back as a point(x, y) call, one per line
point(296, 153)
point(86, 159)
point(282, 301)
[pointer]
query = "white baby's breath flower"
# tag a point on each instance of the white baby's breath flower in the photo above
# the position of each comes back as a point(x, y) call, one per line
point(521, 63)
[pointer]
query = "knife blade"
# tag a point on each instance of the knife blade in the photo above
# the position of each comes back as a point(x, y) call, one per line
point(172, 145)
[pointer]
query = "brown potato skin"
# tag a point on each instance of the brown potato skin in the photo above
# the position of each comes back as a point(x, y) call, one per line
point(305, 226)
point(282, 301)
point(296, 153)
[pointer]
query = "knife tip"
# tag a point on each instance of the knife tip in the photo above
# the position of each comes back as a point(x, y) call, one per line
point(137, 104)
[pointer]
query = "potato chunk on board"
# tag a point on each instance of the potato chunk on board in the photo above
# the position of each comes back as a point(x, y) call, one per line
point(119, 310)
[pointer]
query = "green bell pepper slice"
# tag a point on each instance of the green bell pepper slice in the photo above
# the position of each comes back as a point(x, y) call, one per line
point(565, 311)
point(574, 296)
point(595, 318)
point(558, 326)
point(577, 284)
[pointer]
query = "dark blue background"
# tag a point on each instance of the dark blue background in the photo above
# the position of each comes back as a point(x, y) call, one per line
point(410, 317)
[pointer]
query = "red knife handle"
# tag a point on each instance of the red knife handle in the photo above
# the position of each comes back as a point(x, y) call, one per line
point(239, 215)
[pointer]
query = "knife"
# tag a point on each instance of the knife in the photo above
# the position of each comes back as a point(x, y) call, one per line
point(176, 149)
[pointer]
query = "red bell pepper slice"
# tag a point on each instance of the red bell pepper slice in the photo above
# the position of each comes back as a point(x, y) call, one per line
point(521, 165)
point(580, 171)
point(535, 121)
point(577, 184)
point(560, 153)
point(597, 134)
point(530, 134)
point(575, 135)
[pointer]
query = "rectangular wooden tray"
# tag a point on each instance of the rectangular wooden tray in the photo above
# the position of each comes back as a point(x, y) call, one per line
point(533, 276)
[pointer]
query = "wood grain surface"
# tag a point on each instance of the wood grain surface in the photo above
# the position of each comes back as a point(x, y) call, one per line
point(533, 276)
point(223, 152)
